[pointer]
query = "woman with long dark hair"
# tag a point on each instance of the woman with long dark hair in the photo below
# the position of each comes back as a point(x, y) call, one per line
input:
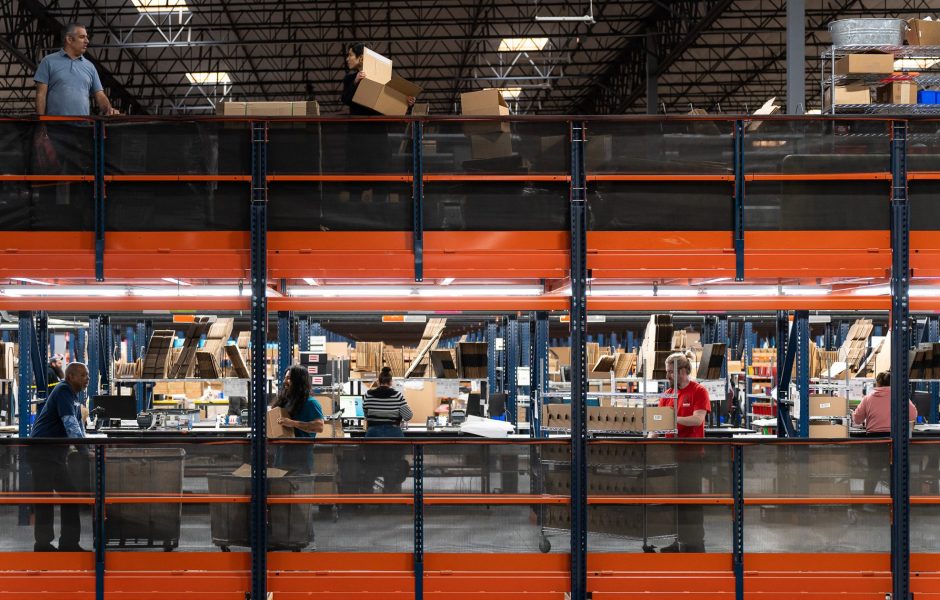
point(306, 418)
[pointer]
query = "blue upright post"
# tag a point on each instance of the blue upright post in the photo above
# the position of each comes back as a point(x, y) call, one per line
point(100, 215)
point(259, 315)
point(524, 355)
point(801, 324)
point(737, 556)
point(285, 343)
point(900, 359)
point(934, 337)
point(25, 336)
point(417, 200)
point(418, 497)
point(738, 160)
point(94, 355)
point(303, 334)
point(578, 311)
point(538, 367)
point(512, 363)
point(100, 534)
point(491, 380)
point(40, 353)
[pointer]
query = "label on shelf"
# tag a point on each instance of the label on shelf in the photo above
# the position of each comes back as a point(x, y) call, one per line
point(522, 376)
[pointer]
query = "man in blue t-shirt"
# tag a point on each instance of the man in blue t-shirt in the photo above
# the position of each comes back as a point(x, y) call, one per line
point(66, 79)
point(60, 417)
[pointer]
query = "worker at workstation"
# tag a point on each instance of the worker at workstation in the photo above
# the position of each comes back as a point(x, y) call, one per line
point(692, 405)
point(306, 418)
point(53, 466)
point(874, 414)
point(385, 409)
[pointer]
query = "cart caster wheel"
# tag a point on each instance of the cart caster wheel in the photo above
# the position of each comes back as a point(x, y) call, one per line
point(545, 546)
point(225, 549)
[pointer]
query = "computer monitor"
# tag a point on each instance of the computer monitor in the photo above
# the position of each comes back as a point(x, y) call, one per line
point(497, 404)
point(473, 405)
point(922, 401)
point(236, 404)
point(116, 407)
point(351, 407)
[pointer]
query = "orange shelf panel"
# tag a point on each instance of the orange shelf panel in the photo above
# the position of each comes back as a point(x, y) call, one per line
point(656, 177)
point(877, 176)
point(165, 178)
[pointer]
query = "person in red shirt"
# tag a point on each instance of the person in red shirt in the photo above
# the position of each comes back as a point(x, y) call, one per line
point(692, 405)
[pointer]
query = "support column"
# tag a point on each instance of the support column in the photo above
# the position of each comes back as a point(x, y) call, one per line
point(259, 334)
point(94, 355)
point(900, 359)
point(303, 334)
point(491, 380)
point(578, 310)
point(285, 343)
point(512, 374)
point(796, 57)
point(40, 353)
point(538, 370)
point(100, 213)
point(801, 324)
point(417, 200)
point(25, 337)
point(738, 161)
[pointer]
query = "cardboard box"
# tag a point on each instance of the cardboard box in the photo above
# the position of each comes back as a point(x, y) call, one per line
point(307, 108)
point(273, 428)
point(382, 90)
point(490, 145)
point(320, 380)
point(421, 109)
point(921, 32)
point(828, 406)
point(313, 358)
point(245, 471)
point(852, 93)
point(484, 103)
point(422, 399)
point(826, 430)
point(864, 64)
point(897, 92)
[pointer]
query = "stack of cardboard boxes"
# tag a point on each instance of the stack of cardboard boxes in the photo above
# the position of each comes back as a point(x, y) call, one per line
point(488, 140)
point(634, 419)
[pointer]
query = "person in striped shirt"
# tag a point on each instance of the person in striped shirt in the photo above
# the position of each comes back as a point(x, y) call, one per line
point(385, 409)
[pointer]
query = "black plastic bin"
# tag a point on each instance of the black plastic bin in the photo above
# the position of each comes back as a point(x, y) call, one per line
point(144, 471)
point(290, 526)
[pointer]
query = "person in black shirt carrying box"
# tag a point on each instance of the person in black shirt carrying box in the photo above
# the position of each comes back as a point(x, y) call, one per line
point(385, 410)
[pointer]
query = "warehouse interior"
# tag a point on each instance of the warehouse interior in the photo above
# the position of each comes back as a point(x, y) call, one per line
point(552, 209)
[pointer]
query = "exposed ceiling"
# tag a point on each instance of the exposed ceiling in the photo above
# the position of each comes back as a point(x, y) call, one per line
point(719, 55)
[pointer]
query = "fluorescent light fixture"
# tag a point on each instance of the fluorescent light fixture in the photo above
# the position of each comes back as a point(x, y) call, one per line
point(311, 281)
point(522, 44)
point(447, 281)
point(430, 291)
point(742, 290)
point(201, 291)
point(872, 290)
point(176, 281)
point(511, 92)
point(914, 64)
point(805, 290)
point(26, 291)
point(161, 6)
point(644, 291)
point(924, 291)
point(213, 78)
point(28, 280)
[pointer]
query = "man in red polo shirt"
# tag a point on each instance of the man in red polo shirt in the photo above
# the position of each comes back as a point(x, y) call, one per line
point(692, 405)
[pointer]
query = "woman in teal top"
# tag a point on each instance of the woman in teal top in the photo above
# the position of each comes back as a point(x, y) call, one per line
point(306, 418)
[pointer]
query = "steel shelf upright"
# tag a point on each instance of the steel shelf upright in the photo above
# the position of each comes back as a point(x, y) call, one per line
point(285, 342)
point(512, 372)
point(25, 367)
point(492, 380)
point(900, 358)
point(578, 326)
point(259, 315)
point(538, 370)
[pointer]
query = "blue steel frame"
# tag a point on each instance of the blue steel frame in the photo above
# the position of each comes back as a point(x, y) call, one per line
point(94, 355)
point(303, 334)
point(801, 325)
point(259, 315)
point(491, 380)
point(285, 342)
point(512, 374)
point(538, 368)
point(39, 352)
point(418, 494)
point(737, 534)
point(25, 336)
point(901, 338)
point(100, 537)
point(933, 336)
point(417, 198)
point(100, 193)
point(578, 313)
point(738, 157)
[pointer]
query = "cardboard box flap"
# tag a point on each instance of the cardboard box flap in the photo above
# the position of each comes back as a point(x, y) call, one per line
point(402, 85)
point(376, 67)
point(923, 32)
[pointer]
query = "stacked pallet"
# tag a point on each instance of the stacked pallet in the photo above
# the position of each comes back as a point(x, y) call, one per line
point(157, 357)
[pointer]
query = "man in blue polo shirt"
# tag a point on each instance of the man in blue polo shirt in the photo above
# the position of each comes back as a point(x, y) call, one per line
point(60, 417)
point(66, 79)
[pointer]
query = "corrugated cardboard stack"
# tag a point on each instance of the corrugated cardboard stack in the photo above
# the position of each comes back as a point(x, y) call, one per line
point(369, 357)
point(157, 357)
point(656, 347)
point(444, 364)
point(239, 368)
point(433, 330)
point(854, 68)
point(855, 347)
point(471, 360)
point(394, 360)
point(925, 362)
point(7, 352)
point(713, 358)
point(184, 365)
point(307, 108)
point(635, 419)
